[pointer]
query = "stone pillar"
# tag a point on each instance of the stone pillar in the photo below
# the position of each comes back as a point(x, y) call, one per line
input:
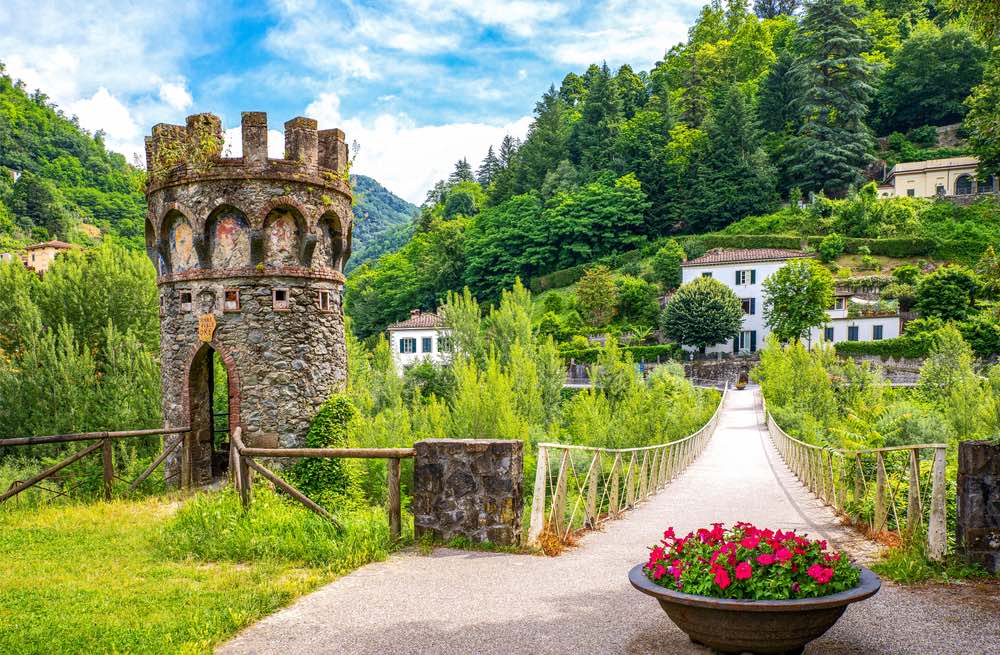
point(468, 488)
point(978, 530)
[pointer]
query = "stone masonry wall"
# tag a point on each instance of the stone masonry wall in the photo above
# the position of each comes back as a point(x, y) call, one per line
point(468, 488)
point(978, 522)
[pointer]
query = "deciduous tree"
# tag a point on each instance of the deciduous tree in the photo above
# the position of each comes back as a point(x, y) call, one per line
point(796, 298)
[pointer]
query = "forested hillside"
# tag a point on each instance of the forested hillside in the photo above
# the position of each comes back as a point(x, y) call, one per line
point(756, 107)
point(55, 177)
point(382, 221)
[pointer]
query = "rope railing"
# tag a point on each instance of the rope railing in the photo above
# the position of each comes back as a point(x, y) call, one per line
point(583, 486)
point(884, 489)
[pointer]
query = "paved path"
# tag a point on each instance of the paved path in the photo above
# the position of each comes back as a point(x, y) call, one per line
point(580, 602)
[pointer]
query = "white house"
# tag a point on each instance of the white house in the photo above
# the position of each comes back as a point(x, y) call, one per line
point(744, 271)
point(421, 337)
point(953, 176)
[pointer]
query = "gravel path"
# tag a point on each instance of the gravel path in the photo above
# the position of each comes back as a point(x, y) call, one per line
point(581, 602)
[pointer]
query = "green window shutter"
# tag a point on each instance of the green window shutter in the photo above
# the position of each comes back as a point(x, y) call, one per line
point(753, 276)
point(753, 341)
point(736, 344)
point(401, 346)
point(753, 306)
point(737, 277)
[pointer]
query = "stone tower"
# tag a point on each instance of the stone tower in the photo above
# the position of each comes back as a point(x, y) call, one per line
point(249, 254)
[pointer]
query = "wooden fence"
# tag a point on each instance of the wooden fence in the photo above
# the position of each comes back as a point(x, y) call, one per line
point(103, 442)
point(867, 484)
point(244, 465)
point(581, 486)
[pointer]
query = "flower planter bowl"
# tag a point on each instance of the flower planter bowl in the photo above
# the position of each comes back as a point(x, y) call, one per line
point(758, 626)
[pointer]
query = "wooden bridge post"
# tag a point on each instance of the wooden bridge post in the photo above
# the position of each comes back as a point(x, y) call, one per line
point(537, 521)
point(594, 475)
point(913, 514)
point(557, 518)
point(880, 510)
point(394, 506)
point(107, 459)
point(615, 483)
point(643, 483)
point(937, 538)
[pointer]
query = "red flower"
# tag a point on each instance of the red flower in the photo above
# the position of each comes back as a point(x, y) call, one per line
point(722, 578)
point(658, 572)
point(744, 571)
point(750, 543)
point(765, 558)
point(783, 555)
point(820, 574)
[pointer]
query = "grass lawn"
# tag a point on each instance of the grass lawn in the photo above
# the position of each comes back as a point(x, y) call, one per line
point(92, 579)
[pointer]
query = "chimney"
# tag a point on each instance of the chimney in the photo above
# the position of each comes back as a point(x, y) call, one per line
point(414, 313)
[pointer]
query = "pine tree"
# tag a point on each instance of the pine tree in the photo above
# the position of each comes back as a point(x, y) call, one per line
point(832, 145)
point(774, 8)
point(462, 172)
point(508, 148)
point(777, 97)
point(632, 89)
point(593, 134)
point(488, 169)
point(546, 143)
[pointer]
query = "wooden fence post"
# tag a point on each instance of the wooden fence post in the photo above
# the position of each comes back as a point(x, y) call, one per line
point(107, 458)
point(937, 538)
point(537, 522)
point(394, 509)
point(594, 474)
point(643, 476)
point(629, 479)
point(557, 518)
point(615, 483)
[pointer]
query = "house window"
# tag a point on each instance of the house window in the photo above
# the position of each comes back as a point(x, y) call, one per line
point(746, 277)
point(323, 300)
point(748, 340)
point(963, 185)
point(911, 192)
point(986, 186)
point(706, 275)
point(839, 303)
point(852, 333)
point(876, 332)
point(408, 345)
point(749, 306)
point(279, 300)
point(445, 344)
point(185, 301)
point(828, 334)
point(427, 344)
point(231, 300)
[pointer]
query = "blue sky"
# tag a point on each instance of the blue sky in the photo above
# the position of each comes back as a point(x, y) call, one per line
point(417, 83)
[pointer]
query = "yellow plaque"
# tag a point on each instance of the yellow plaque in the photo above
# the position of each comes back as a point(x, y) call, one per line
point(206, 327)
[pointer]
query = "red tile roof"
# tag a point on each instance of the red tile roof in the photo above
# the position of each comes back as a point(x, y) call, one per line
point(419, 320)
point(732, 256)
point(61, 245)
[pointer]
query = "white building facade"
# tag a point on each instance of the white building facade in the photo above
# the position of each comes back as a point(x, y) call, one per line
point(744, 271)
point(422, 337)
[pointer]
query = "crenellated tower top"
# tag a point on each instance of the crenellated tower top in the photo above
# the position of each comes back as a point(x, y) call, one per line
point(180, 153)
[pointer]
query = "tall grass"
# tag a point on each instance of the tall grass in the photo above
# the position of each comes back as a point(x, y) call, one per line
point(214, 527)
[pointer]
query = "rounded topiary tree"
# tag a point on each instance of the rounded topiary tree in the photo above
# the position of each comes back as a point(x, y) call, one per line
point(702, 313)
point(333, 482)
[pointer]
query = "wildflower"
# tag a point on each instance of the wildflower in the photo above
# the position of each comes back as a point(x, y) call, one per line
point(744, 571)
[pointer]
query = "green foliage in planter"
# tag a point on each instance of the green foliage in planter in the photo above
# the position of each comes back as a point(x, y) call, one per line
point(333, 482)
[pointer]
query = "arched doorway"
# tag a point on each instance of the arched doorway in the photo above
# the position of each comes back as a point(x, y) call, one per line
point(211, 391)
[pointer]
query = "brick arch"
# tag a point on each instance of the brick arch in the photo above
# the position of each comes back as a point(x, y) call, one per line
point(188, 213)
point(226, 355)
point(303, 218)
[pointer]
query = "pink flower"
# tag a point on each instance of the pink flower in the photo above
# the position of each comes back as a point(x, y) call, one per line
point(783, 555)
point(766, 559)
point(821, 574)
point(658, 572)
point(722, 578)
point(750, 543)
point(669, 534)
point(744, 571)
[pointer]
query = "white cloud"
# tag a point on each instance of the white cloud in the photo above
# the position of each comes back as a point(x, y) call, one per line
point(103, 111)
point(409, 158)
point(232, 143)
point(176, 95)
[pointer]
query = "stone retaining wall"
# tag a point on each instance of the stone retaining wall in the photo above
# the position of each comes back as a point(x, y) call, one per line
point(978, 522)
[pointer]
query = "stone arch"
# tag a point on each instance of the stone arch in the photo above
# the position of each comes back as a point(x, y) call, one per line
point(228, 232)
point(178, 237)
point(152, 251)
point(963, 185)
point(208, 455)
point(284, 232)
point(334, 242)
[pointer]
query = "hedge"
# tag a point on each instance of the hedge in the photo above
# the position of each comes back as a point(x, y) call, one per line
point(897, 348)
point(639, 353)
point(567, 276)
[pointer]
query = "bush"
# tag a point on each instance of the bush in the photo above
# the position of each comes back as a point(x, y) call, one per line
point(214, 527)
point(907, 273)
point(637, 300)
point(947, 293)
point(639, 353)
point(667, 265)
point(702, 313)
point(831, 247)
point(897, 348)
point(332, 482)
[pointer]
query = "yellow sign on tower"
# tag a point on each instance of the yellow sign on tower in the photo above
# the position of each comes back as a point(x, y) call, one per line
point(206, 327)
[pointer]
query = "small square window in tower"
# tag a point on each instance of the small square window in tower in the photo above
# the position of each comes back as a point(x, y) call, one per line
point(323, 300)
point(185, 300)
point(231, 302)
point(279, 300)
point(162, 305)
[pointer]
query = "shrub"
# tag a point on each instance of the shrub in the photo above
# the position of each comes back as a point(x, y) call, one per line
point(982, 333)
point(907, 273)
point(553, 303)
point(702, 313)
point(667, 265)
point(332, 482)
point(424, 379)
point(897, 348)
point(749, 563)
point(597, 295)
point(947, 293)
point(831, 247)
point(904, 294)
point(637, 300)
point(639, 353)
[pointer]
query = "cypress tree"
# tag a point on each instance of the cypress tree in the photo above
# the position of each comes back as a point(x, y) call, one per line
point(832, 144)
